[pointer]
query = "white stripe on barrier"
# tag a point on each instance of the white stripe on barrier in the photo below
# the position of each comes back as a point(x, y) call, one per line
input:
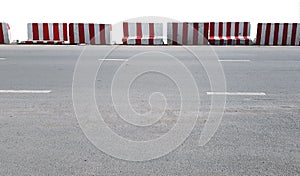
point(158, 29)
point(61, 34)
point(97, 37)
point(41, 32)
point(5, 33)
point(86, 33)
point(30, 31)
point(280, 36)
point(298, 34)
point(107, 33)
point(50, 29)
point(180, 33)
point(190, 32)
point(76, 33)
point(271, 39)
point(289, 36)
point(263, 38)
point(132, 33)
point(202, 36)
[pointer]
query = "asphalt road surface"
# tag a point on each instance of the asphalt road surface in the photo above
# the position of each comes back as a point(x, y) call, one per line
point(258, 135)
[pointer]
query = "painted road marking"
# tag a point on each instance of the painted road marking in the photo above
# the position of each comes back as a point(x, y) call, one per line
point(234, 61)
point(113, 59)
point(237, 93)
point(2, 58)
point(26, 91)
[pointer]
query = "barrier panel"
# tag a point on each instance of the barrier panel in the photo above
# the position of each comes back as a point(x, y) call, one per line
point(187, 33)
point(278, 34)
point(47, 33)
point(229, 33)
point(89, 33)
point(4, 33)
point(142, 33)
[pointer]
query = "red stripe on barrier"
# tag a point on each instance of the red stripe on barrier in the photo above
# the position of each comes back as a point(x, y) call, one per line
point(228, 33)
point(125, 29)
point(71, 33)
point(236, 32)
point(259, 33)
point(276, 33)
point(212, 33)
point(92, 33)
point(236, 29)
point(294, 34)
point(268, 32)
point(285, 33)
point(65, 31)
point(56, 31)
point(184, 33)
point(205, 33)
point(45, 31)
point(221, 33)
point(212, 30)
point(139, 33)
point(246, 26)
point(228, 29)
point(1, 34)
point(151, 30)
point(195, 33)
point(35, 31)
point(81, 33)
point(102, 34)
point(126, 33)
point(175, 33)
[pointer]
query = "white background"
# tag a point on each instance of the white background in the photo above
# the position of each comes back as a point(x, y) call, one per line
point(18, 13)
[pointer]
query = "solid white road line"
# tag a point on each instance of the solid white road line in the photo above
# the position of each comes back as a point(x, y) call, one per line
point(234, 61)
point(26, 91)
point(2, 58)
point(113, 59)
point(237, 93)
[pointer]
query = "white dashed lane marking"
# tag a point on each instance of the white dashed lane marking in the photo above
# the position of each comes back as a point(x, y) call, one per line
point(25, 91)
point(234, 61)
point(121, 60)
point(237, 93)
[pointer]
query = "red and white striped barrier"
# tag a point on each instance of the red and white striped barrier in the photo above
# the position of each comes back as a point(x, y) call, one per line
point(143, 33)
point(47, 33)
point(89, 33)
point(229, 33)
point(278, 34)
point(188, 33)
point(4, 33)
